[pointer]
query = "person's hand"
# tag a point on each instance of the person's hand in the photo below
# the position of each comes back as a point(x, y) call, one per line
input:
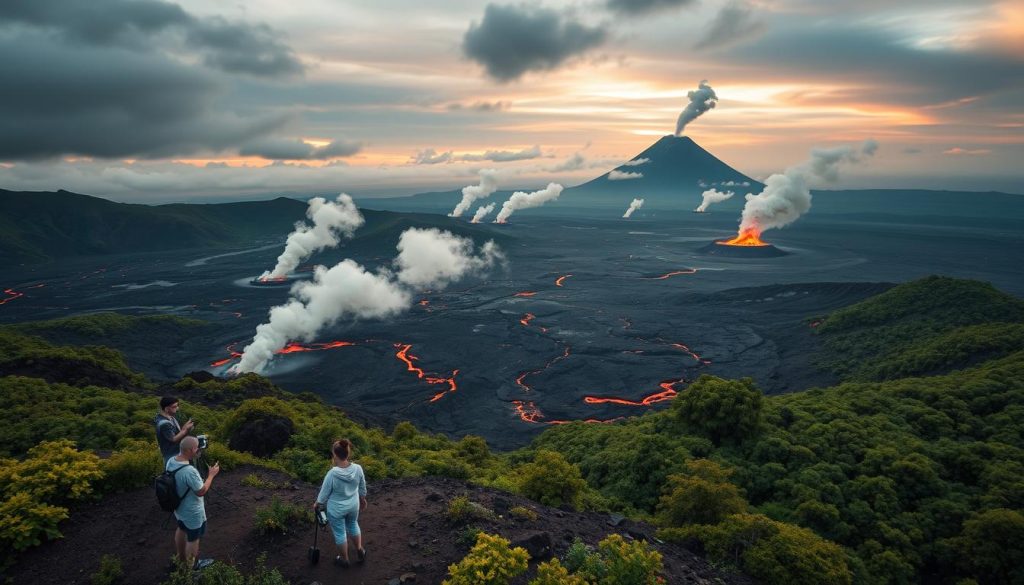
point(362, 502)
point(315, 504)
point(188, 425)
point(214, 469)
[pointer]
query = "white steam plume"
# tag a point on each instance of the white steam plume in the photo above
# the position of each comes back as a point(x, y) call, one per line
point(521, 200)
point(787, 195)
point(426, 257)
point(482, 212)
point(331, 220)
point(712, 196)
point(488, 184)
point(702, 99)
point(633, 206)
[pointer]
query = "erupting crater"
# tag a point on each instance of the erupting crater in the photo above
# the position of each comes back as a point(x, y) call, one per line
point(746, 244)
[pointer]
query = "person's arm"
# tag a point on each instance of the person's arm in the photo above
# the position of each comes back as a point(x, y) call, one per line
point(325, 490)
point(183, 432)
point(362, 488)
point(214, 470)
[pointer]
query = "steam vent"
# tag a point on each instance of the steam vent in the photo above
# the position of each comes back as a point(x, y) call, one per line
point(283, 281)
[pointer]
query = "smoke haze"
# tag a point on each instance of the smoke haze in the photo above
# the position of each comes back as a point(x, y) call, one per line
point(426, 257)
point(712, 196)
point(331, 221)
point(488, 185)
point(787, 196)
point(521, 200)
point(633, 206)
point(702, 99)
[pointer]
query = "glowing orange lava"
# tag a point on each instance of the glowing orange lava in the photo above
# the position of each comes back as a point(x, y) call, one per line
point(525, 293)
point(521, 378)
point(11, 295)
point(561, 279)
point(290, 348)
point(424, 302)
point(676, 273)
point(527, 318)
point(749, 237)
point(404, 355)
point(667, 393)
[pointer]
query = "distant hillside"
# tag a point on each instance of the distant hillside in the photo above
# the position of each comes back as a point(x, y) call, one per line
point(45, 226)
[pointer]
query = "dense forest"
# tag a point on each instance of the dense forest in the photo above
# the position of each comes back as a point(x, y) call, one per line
point(909, 471)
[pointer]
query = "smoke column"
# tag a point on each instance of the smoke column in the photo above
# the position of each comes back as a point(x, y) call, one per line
point(482, 212)
point(521, 200)
point(426, 258)
point(702, 99)
point(712, 196)
point(633, 206)
point(488, 184)
point(787, 196)
point(330, 220)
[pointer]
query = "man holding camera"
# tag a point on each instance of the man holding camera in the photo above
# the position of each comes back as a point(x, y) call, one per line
point(191, 512)
point(168, 432)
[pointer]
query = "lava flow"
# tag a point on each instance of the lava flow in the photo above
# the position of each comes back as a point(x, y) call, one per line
point(748, 237)
point(668, 392)
point(561, 279)
point(520, 379)
point(528, 412)
point(404, 355)
point(290, 348)
point(675, 273)
point(525, 293)
point(11, 295)
point(527, 318)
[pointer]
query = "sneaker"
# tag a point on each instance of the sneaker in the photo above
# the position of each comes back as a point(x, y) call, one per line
point(341, 562)
point(202, 564)
point(361, 555)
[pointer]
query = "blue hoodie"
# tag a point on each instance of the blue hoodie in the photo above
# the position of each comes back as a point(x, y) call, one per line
point(341, 488)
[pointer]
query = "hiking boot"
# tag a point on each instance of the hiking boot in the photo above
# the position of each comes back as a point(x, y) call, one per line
point(343, 563)
point(361, 555)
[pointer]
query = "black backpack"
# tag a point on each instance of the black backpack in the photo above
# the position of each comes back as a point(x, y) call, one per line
point(167, 490)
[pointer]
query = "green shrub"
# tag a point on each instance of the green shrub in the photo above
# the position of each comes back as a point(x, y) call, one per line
point(280, 517)
point(490, 562)
point(990, 546)
point(224, 574)
point(132, 467)
point(254, 480)
point(703, 495)
point(551, 480)
point(109, 573)
point(473, 450)
point(628, 562)
point(54, 471)
point(461, 510)
point(256, 408)
point(263, 576)
point(468, 536)
point(26, 521)
point(523, 513)
point(721, 410)
point(770, 551)
point(553, 573)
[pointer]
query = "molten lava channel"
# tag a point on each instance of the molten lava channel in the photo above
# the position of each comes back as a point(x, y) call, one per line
point(668, 275)
point(290, 348)
point(748, 237)
point(11, 295)
point(408, 358)
point(561, 279)
point(525, 293)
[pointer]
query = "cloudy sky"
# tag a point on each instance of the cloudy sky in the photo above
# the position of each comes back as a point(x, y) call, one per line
point(154, 100)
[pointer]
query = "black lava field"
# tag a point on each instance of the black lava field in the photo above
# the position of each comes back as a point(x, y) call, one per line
point(593, 318)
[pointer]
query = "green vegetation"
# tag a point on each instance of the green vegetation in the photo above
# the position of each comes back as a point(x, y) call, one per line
point(281, 517)
point(885, 478)
point(491, 561)
point(461, 510)
point(109, 573)
point(220, 573)
point(615, 562)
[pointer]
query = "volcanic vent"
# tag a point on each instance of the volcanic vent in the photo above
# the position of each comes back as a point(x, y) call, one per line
point(746, 244)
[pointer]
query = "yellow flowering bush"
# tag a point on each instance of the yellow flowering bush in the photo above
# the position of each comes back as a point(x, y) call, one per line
point(491, 561)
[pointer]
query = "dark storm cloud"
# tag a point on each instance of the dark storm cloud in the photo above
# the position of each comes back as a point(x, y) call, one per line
point(643, 7)
point(147, 24)
point(914, 76)
point(512, 40)
point(295, 149)
point(110, 102)
point(734, 24)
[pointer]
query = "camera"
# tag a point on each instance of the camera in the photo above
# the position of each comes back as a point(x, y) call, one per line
point(203, 441)
point(321, 515)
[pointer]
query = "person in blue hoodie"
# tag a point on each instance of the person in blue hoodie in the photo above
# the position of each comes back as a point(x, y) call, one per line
point(343, 494)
